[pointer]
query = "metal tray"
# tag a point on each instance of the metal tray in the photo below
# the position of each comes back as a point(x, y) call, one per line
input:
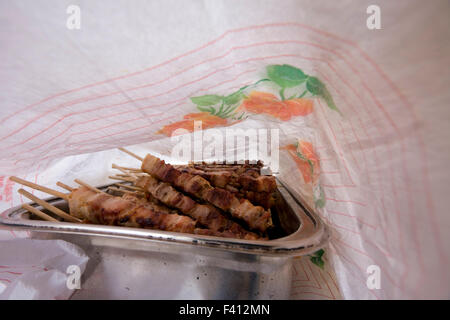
point(143, 263)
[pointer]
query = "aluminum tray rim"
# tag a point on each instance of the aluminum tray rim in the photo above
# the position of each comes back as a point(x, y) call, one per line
point(311, 235)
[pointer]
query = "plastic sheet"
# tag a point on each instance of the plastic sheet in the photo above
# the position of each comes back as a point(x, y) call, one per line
point(39, 269)
point(365, 144)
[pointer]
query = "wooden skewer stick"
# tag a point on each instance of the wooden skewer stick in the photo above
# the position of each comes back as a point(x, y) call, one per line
point(40, 188)
point(129, 187)
point(65, 186)
point(130, 174)
point(126, 191)
point(122, 175)
point(119, 190)
point(81, 183)
point(137, 174)
point(121, 169)
point(39, 213)
point(48, 206)
point(122, 178)
point(115, 166)
point(131, 154)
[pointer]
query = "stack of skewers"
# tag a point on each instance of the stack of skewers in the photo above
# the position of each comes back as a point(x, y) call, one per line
point(224, 200)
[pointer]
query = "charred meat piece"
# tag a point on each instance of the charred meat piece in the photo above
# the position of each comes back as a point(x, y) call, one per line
point(256, 217)
point(263, 199)
point(102, 208)
point(240, 186)
point(131, 211)
point(238, 176)
point(205, 214)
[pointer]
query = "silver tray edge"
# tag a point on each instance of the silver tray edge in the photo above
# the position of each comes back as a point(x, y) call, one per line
point(311, 235)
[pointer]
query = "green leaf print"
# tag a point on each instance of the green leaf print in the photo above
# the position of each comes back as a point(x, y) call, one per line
point(316, 258)
point(206, 100)
point(286, 76)
point(317, 88)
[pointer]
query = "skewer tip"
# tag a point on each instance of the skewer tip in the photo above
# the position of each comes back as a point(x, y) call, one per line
point(64, 186)
point(48, 206)
point(39, 187)
point(131, 154)
point(82, 183)
point(38, 212)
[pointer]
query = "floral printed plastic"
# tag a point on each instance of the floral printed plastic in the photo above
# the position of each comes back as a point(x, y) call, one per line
point(362, 115)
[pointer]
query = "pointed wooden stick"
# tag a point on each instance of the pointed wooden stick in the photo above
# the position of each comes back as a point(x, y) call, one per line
point(64, 186)
point(131, 154)
point(40, 188)
point(48, 206)
point(129, 187)
point(126, 191)
point(122, 178)
point(138, 174)
point(39, 213)
point(115, 166)
point(88, 186)
point(130, 174)
point(122, 175)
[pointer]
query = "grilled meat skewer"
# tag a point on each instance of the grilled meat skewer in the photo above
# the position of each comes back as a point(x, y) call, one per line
point(205, 214)
point(130, 211)
point(240, 177)
point(256, 217)
point(102, 208)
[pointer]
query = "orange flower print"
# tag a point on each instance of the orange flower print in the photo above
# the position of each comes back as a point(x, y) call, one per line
point(307, 161)
point(267, 103)
point(208, 121)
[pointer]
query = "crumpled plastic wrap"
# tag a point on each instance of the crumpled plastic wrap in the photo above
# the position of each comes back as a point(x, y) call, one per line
point(38, 269)
point(369, 154)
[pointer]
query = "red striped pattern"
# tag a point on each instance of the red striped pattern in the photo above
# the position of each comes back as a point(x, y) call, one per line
point(311, 282)
point(348, 73)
